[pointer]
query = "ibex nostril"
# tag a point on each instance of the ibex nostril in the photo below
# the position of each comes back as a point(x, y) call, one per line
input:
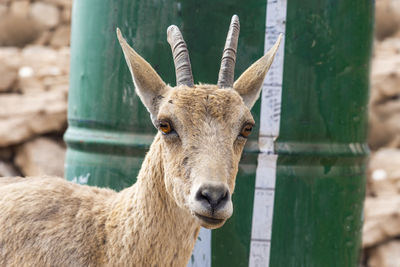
point(213, 196)
point(226, 195)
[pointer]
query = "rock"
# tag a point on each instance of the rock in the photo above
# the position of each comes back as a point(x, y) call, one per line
point(387, 18)
point(20, 8)
point(17, 30)
point(57, 83)
point(10, 56)
point(8, 76)
point(384, 106)
point(382, 219)
point(61, 36)
point(44, 38)
point(28, 83)
point(61, 3)
point(36, 65)
point(3, 10)
point(45, 14)
point(7, 169)
point(41, 156)
point(6, 154)
point(24, 116)
point(384, 51)
point(386, 255)
point(66, 15)
point(46, 61)
point(37, 55)
point(384, 172)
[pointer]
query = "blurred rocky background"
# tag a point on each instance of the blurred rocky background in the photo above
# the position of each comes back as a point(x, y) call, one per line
point(34, 66)
point(381, 233)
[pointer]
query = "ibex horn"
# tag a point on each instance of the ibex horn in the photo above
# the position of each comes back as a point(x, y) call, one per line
point(227, 70)
point(180, 54)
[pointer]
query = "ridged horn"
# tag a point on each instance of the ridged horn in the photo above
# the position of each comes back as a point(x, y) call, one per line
point(180, 53)
point(227, 70)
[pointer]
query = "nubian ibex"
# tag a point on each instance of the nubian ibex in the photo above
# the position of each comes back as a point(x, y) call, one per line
point(186, 180)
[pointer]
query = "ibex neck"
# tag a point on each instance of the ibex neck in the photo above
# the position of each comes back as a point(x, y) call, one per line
point(153, 231)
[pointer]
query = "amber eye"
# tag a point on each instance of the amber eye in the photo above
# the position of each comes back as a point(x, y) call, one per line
point(165, 127)
point(246, 130)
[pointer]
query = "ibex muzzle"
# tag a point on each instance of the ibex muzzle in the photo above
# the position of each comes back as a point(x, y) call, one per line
point(214, 204)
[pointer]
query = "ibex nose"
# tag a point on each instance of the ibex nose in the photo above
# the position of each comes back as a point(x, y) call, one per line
point(213, 196)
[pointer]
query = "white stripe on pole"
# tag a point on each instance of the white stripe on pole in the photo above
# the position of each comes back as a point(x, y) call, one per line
point(269, 130)
point(201, 256)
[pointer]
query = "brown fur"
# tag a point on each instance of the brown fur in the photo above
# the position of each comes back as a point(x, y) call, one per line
point(155, 222)
point(52, 222)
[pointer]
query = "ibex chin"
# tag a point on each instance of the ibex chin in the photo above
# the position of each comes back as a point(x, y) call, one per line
point(186, 180)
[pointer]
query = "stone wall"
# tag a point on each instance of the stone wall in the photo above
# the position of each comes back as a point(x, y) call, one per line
point(381, 233)
point(34, 66)
point(34, 70)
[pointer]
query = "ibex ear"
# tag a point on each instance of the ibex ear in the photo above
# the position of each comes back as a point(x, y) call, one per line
point(248, 85)
point(149, 86)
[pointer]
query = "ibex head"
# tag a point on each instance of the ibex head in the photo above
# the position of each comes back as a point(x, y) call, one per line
point(203, 128)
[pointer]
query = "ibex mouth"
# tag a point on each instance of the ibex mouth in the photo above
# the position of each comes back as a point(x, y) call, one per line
point(209, 220)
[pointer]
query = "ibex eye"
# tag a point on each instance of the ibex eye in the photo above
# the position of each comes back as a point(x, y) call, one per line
point(165, 127)
point(246, 130)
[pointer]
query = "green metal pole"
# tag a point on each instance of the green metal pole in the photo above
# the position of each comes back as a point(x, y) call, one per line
point(321, 148)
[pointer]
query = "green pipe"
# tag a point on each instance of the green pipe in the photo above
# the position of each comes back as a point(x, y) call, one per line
point(322, 148)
